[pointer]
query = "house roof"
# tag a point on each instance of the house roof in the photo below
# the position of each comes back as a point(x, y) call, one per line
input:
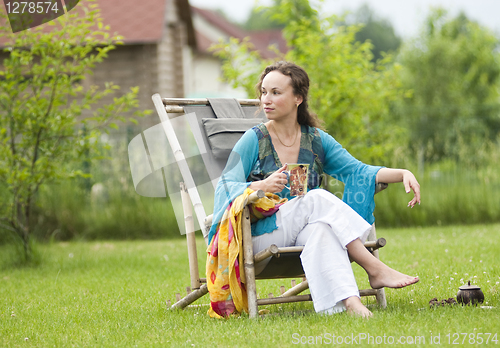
point(140, 21)
point(137, 21)
point(260, 39)
point(263, 39)
point(203, 43)
point(220, 22)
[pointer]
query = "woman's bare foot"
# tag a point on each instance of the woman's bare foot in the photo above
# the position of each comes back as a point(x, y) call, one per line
point(390, 278)
point(355, 307)
point(379, 273)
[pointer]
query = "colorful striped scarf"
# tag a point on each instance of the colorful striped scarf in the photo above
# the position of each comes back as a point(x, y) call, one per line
point(225, 267)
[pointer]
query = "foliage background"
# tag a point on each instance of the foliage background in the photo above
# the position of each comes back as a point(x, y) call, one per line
point(51, 122)
point(431, 105)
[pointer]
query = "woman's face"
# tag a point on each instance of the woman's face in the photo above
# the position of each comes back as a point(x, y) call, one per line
point(277, 96)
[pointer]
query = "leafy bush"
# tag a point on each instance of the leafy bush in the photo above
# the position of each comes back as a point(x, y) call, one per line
point(49, 120)
point(350, 93)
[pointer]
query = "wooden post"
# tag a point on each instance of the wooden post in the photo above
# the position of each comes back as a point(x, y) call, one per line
point(380, 296)
point(187, 300)
point(297, 289)
point(377, 244)
point(249, 265)
point(264, 254)
point(368, 292)
point(181, 161)
point(190, 238)
point(281, 299)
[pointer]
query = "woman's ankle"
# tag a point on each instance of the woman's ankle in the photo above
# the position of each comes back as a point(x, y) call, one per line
point(354, 307)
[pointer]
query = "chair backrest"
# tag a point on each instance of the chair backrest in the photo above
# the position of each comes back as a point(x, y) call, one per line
point(218, 133)
point(216, 125)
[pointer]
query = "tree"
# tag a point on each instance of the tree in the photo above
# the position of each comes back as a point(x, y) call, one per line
point(48, 119)
point(350, 93)
point(261, 19)
point(377, 31)
point(453, 70)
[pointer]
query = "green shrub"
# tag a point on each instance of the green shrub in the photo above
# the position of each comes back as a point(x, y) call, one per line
point(451, 194)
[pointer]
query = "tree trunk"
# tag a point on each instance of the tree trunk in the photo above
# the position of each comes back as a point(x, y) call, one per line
point(22, 227)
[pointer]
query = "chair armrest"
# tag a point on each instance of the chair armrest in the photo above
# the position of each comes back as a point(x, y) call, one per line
point(208, 220)
point(380, 187)
point(254, 196)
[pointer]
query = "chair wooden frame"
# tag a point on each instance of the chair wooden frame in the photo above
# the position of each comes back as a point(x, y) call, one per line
point(168, 108)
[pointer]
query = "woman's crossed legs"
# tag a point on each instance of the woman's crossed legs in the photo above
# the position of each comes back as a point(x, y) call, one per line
point(331, 232)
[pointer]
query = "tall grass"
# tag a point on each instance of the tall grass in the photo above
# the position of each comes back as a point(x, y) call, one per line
point(463, 193)
point(67, 212)
point(451, 194)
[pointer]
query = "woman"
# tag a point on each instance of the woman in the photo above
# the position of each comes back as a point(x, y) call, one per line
point(330, 230)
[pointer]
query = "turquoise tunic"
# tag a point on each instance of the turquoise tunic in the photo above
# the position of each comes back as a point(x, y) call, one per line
point(254, 158)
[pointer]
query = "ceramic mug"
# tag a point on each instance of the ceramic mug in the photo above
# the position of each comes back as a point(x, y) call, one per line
point(297, 174)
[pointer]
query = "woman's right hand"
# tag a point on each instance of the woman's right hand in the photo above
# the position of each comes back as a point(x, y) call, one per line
point(274, 183)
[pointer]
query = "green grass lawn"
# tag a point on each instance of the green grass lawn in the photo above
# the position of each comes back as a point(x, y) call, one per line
point(114, 294)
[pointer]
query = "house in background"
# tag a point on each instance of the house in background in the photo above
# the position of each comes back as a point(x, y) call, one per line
point(211, 27)
point(166, 50)
point(159, 42)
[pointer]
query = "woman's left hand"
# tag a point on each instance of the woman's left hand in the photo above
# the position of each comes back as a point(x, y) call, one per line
point(411, 183)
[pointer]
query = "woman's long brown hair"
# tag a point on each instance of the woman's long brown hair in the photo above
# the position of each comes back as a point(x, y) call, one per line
point(300, 84)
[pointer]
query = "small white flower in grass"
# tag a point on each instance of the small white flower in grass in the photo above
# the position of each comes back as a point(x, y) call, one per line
point(484, 272)
point(445, 250)
point(475, 276)
point(26, 338)
point(455, 273)
point(466, 273)
point(437, 277)
point(451, 278)
point(497, 283)
point(487, 281)
point(480, 260)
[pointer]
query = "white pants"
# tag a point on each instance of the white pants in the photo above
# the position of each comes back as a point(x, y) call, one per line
point(324, 225)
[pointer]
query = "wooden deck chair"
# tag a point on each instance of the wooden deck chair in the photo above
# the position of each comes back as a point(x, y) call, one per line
point(210, 117)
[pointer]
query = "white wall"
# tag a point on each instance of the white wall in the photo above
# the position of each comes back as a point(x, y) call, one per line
point(207, 69)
